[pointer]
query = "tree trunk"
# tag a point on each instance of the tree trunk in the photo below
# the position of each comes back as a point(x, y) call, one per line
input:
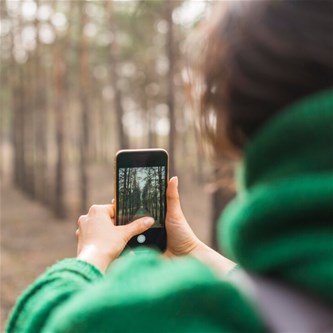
point(151, 133)
point(84, 93)
point(41, 122)
point(123, 141)
point(160, 180)
point(124, 196)
point(16, 96)
point(29, 128)
point(221, 196)
point(170, 93)
point(19, 100)
point(59, 71)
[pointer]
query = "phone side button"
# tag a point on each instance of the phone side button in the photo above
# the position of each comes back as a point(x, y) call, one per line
point(141, 239)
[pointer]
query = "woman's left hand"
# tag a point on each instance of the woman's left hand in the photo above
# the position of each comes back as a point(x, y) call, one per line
point(100, 241)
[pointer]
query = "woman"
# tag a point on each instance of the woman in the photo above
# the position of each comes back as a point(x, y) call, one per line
point(267, 95)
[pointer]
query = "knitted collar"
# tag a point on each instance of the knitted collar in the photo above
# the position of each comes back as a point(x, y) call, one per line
point(281, 221)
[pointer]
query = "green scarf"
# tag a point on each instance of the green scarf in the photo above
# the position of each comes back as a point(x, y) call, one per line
point(280, 223)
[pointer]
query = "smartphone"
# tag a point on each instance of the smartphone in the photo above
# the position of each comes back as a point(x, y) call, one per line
point(141, 177)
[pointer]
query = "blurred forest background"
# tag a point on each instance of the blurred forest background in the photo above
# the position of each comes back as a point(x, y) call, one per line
point(80, 80)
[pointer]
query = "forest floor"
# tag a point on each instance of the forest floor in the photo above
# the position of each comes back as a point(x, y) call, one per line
point(33, 239)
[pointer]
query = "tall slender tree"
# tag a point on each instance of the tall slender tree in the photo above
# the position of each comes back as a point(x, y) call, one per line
point(59, 88)
point(161, 192)
point(114, 66)
point(30, 126)
point(16, 95)
point(170, 86)
point(41, 164)
point(19, 103)
point(84, 102)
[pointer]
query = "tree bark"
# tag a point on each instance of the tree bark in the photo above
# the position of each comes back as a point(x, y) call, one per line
point(59, 71)
point(221, 196)
point(16, 96)
point(170, 93)
point(42, 183)
point(123, 141)
point(160, 180)
point(85, 129)
point(29, 128)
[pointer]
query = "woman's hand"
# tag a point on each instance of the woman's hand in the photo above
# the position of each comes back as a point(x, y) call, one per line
point(182, 240)
point(100, 241)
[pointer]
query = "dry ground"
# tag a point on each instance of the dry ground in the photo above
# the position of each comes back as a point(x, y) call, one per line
point(33, 239)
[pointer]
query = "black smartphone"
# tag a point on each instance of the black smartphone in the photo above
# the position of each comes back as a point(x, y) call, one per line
point(141, 177)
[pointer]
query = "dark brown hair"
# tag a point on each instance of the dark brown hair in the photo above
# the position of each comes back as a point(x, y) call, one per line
point(255, 58)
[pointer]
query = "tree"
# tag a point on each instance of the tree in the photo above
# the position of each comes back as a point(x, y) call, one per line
point(114, 65)
point(41, 164)
point(59, 100)
point(161, 177)
point(170, 89)
point(122, 193)
point(110, 78)
point(84, 93)
point(221, 195)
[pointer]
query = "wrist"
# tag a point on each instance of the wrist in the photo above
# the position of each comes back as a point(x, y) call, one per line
point(95, 256)
point(199, 248)
point(217, 262)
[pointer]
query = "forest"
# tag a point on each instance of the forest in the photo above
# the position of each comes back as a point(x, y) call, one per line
point(79, 81)
point(141, 193)
point(82, 79)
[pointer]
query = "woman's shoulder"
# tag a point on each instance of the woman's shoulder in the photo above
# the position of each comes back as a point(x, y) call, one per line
point(145, 293)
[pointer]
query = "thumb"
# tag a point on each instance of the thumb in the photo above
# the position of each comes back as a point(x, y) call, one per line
point(137, 227)
point(174, 210)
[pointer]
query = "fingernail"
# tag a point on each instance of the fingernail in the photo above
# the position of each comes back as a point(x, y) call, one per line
point(175, 180)
point(148, 221)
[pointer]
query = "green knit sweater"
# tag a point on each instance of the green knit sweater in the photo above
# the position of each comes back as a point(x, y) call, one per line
point(280, 224)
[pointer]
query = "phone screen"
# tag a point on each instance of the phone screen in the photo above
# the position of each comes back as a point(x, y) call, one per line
point(141, 192)
point(141, 181)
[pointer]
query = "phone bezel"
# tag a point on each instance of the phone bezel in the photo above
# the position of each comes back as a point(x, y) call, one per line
point(127, 158)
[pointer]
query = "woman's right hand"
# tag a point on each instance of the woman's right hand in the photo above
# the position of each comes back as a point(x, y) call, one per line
point(181, 239)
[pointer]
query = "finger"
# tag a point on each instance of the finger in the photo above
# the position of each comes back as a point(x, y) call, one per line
point(174, 210)
point(137, 227)
point(81, 219)
point(112, 211)
point(101, 210)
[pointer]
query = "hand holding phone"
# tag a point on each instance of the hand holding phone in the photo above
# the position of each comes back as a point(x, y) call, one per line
point(100, 241)
point(140, 187)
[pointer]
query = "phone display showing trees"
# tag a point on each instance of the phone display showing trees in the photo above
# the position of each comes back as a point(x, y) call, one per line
point(141, 193)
